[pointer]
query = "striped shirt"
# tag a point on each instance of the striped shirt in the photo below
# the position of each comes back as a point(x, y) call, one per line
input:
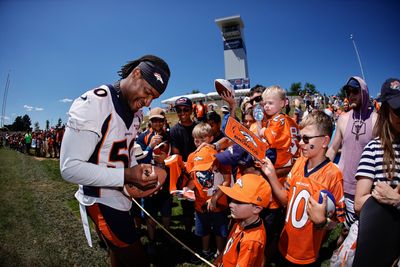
point(371, 163)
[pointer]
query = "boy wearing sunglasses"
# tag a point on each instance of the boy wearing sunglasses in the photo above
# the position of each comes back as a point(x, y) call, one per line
point(306, 220)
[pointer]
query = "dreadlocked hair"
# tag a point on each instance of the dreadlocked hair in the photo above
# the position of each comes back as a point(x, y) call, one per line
point(384, 130)
point(128, 67)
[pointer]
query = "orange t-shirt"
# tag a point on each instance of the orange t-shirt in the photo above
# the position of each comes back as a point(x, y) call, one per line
point(281, 134)
point(300, 241)
point(245, 246)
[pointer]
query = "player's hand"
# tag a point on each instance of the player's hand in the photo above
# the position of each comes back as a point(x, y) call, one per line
point(315, 211)
point(142, 176)
point(385, 194)
point(155, 140)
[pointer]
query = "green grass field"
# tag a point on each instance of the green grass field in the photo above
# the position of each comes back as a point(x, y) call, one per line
point(40, 222)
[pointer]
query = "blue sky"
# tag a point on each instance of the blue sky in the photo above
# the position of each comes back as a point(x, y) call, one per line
point(57, 49)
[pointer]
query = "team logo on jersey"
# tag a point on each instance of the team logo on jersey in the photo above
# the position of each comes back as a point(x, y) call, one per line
point(395, 85)
point(158, 77)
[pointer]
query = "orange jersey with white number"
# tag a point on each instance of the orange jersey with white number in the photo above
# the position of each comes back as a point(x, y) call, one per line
point(300, 241)
point(281, 134)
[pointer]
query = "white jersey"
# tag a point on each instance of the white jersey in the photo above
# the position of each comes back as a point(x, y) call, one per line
point(101, 111)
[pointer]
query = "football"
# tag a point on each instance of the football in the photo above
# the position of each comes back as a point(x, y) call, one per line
point(330, 202)
point(132, 191)
point(222, 86)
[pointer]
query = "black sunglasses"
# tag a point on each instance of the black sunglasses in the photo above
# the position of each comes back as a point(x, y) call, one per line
point(352, 90)
point(256, 99)
point(306, 139)
point(180, 110)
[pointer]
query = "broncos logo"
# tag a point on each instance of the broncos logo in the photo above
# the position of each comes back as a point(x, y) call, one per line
point(248, 138)
point(158, 77)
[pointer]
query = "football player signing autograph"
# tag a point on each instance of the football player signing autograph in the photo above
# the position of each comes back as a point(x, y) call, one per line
point(97, 153)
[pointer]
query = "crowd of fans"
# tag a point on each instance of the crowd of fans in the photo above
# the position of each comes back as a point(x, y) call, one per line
point(351, 119)
point(42, 143)
point(299, 135)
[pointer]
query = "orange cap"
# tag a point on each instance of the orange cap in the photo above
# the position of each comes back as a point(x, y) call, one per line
point(203, 159)
point(250, 188)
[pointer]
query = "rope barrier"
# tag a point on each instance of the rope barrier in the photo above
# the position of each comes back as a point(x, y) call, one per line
point(172, 236)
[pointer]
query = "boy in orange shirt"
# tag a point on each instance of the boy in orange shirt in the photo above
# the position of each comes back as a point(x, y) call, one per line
point(210, 204)
point(245, 247)
point(306, 220)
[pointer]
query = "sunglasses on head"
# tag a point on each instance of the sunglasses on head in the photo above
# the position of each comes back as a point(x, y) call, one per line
point(306, 139)
point(180, 110)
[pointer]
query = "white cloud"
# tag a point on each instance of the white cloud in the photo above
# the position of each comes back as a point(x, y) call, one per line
point(66, 100)
point(30, 108)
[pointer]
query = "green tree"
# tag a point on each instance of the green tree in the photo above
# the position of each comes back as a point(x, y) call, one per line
point(310, 88)
point(295, 89)
point(59, 123)
point(341, 94)
point(20, 124)
point(47, 125)
point(26, 122)
point(36, 127)
point(195, 91)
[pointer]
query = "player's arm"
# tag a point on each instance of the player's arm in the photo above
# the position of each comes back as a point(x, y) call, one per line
point(279, 191)
point(76, 149)
point(337, 139)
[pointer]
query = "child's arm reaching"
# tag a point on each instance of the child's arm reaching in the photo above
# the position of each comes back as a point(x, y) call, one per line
point(212, 202)
point(280, 192)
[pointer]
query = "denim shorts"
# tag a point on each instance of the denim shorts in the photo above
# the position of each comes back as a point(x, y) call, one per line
point(211, 222)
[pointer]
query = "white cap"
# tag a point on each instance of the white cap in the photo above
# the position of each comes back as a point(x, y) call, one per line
point(139, 153)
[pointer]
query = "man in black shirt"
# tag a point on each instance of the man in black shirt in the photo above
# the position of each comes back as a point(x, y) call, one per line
point(182, 143)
